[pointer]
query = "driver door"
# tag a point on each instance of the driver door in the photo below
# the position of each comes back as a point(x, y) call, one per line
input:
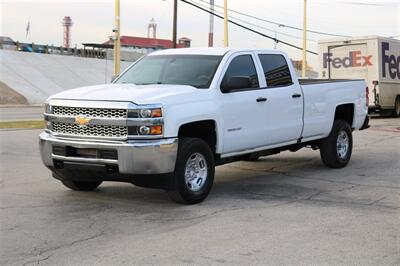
point(243, 109)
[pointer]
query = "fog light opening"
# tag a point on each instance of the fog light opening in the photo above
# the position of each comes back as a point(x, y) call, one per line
point(58, 164)
point(111, 169)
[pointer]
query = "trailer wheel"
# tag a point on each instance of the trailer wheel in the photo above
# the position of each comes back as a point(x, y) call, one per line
point(336, 149)
point(194, 172)
point(396, 111)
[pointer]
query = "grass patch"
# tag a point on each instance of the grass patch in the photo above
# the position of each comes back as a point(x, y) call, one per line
point(22, 124)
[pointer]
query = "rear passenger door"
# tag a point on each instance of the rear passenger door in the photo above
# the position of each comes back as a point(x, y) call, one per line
point(284, 119)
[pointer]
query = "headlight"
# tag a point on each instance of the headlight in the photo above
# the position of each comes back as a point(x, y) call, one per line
point(150, 130)
point(144, 130)
point(47, 108)
point(145, 113)
point(150, 113)
point(146, 121)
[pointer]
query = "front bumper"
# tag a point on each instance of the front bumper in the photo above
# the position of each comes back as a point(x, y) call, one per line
point(139, 157)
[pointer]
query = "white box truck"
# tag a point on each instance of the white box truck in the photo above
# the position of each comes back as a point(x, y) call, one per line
point(375, 59)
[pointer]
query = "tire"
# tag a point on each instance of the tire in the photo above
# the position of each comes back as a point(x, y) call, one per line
point(396, 111)
point(336, 149)
point(194, 172)
point(81, 186)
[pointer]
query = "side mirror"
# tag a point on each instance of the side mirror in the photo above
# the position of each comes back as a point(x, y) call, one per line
point(236, 83)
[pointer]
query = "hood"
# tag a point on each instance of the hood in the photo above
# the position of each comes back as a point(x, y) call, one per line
point(139, 94)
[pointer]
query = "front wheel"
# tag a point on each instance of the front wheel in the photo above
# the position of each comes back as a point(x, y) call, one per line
point(194, 172)
point(80, 185)
point(336, 149)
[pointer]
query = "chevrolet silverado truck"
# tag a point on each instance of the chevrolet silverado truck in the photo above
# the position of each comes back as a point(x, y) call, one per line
point(174, 115)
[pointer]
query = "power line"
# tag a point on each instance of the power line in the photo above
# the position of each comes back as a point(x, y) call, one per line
point(247, 28)
point(258, 26)
point(280, 24)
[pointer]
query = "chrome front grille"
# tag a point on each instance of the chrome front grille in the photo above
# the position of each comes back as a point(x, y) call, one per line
point(90, 130)
point(111, 120)
point(89, 112)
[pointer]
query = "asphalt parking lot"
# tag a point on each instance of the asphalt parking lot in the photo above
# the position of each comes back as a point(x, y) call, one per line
point(283, 209)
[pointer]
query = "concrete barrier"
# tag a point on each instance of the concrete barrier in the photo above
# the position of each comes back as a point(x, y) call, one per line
point(37, 76)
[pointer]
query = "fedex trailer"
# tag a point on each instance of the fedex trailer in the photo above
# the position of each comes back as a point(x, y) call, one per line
point(372, 58)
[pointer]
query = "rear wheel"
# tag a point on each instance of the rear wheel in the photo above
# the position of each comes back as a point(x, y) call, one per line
point(194, 172)
point(80, 185)
point(336, 149)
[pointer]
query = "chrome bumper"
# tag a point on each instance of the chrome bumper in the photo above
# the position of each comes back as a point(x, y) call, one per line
point(134, 157)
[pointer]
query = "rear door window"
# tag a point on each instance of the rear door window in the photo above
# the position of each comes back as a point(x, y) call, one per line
point(276, 70)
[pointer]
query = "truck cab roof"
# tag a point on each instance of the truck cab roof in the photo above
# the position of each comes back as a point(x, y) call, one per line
point(211, 51)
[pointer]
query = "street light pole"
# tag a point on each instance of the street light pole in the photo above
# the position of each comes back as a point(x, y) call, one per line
point(226, 23)
point(174, 26)
point(304, 65)
point(117, 40)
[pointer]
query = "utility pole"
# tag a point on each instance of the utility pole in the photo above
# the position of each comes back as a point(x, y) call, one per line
point(117, 40)
point(276, 37)
point(304, 65)
point(226, 23)
point(174, 26)
point(211, 31)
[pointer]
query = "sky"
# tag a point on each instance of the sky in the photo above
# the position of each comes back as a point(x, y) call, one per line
point(94, 19)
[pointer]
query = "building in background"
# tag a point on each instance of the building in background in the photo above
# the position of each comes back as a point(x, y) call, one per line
point(132, 47)
point(7, 43)
point(146, 45)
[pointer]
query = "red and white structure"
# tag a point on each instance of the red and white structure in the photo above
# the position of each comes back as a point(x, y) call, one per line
point(67, 24)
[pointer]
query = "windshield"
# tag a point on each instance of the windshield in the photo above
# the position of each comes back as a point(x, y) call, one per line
point(194, 70)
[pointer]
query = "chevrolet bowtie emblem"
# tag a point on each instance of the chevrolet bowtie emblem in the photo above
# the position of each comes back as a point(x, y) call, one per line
point(82, 121)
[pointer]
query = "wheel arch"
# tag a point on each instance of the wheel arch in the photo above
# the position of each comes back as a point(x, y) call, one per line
point(206, 130)
point(346, 113)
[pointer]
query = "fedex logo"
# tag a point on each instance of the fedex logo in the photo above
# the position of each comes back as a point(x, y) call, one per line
point(391, 62)
point(355, 59)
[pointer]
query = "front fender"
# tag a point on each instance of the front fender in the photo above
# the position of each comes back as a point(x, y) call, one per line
point(179, 114)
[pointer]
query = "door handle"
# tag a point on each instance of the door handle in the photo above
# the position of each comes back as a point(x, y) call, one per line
point(296, 95)
point(261, 99)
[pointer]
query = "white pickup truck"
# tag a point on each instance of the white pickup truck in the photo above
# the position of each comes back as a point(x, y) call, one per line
point(173, 115)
